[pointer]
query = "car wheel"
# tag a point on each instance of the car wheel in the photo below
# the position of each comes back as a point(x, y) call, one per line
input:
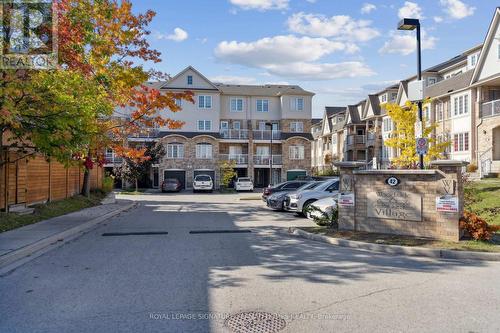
point(306, 206)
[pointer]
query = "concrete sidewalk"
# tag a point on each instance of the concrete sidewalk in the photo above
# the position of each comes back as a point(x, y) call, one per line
point(25, 241)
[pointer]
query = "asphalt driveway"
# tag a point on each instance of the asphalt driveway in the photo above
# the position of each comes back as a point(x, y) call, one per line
point(191, 281)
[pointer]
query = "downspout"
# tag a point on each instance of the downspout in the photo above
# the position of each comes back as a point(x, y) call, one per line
point(479, 92)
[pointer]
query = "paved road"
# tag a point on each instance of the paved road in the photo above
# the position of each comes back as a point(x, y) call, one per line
point(170, 283)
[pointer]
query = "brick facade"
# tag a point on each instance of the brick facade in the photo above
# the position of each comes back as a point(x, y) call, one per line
point(425, 184)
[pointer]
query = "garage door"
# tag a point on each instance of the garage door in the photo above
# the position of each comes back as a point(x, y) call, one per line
point(294, 174)
point(178, 174)
point(211, 173)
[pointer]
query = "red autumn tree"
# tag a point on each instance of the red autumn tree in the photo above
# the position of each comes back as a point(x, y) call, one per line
point(105, 42)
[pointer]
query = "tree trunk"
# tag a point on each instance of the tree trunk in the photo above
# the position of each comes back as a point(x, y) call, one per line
point(86, 183)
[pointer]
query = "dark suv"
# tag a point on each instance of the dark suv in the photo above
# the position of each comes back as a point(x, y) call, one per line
point(288, 186)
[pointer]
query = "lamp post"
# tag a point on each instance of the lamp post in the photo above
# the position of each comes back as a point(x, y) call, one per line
point(271, 152)
point(412, 24)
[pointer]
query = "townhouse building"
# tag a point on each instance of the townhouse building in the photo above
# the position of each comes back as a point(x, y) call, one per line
point(464, 94)
point(265, 130)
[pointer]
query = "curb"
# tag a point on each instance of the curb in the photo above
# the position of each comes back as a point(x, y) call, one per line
point(59, 239)
point(396, 249)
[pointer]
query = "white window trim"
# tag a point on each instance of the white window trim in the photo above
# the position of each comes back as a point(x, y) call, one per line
point(262, 101)
point(170, 151)
point(296, 104)
point(236, 99)
point(295, 126)
point(296, 152)
point(205, 122)
point(204, 102)
point(205, 153)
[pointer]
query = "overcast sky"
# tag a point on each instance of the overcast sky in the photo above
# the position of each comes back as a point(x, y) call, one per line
point(341, 50)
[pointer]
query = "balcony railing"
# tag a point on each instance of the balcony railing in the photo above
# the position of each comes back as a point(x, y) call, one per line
point(112, 159)
point(238, 158)
point(266, 160)
point(355, 139)
point(146, 133)
point(237, 134)
point(490, 109)
point(266, 135)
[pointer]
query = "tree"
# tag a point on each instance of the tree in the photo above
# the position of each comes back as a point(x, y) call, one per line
point(69, 113)
point(106, 44)
point(403, 136)
point(135, 165)
point(227, 172)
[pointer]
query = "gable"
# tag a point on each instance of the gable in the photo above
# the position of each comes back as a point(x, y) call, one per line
point(181, 80)
point(326, 125)
point(489, 59)
point(402, 95)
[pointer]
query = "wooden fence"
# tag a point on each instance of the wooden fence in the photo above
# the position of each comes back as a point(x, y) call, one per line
point(36, 180)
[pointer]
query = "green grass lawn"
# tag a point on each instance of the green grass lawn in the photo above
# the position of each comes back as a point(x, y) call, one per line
point(9, 221)
point(483, 198)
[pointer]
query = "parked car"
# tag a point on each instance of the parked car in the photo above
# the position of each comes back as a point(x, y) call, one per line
point(203, 183)
point(323, 206)
point(299, 202)
point(171, 185)
point(276, 201)
point(243, 184)
point(288, 186)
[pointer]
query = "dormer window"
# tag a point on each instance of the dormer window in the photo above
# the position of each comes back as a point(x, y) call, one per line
point(190, 80)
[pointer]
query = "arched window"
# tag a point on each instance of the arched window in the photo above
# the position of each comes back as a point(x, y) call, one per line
point(175, 150)
point(204, 150)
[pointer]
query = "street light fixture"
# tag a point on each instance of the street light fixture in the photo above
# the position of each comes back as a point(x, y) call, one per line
point(271, 152)
point(412, 24)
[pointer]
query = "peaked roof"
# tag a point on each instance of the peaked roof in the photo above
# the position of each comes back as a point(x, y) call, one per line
point(332, 110)
point(184, 71)
point(372, 102)
point(273, 90)
point(450, 85)
point(495, 21)
point(353, 115)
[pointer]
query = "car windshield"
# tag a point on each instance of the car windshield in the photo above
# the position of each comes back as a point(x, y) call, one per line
point(244, 179)
point(309, 186)
point(202, 178)
point(325, 185)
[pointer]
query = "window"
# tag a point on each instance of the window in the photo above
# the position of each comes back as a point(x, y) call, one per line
point(298, 104)
point(175, 150)
point(297, 126)
point(178, 102)
point(461, 105)
point(204, 102)
point(383, 98)
point(385, 152)
point(394, 95)
point(262, 150)
point(236, 104)
point(296, 152)
point(204, 125)
point(224, 125)
point(387, 124)
point(333, 187)
point(439, 111)
point(204, 151)
point(190, 80)
point(432, 80)
point(427, 113)
point(263, 105)
point(236, 125)
point(461, 142)
point(447, 105)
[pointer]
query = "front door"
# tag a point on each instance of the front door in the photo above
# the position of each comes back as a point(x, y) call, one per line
point(261, 178)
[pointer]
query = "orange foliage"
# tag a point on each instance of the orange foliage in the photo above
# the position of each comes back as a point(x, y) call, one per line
point(477, 227)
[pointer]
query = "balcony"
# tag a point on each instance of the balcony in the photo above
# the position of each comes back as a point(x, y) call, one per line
point(239, 159)
point(234, 134)
point(355, 139)
point(266, 135)
point(112, 159)
point(490, 109)
point(371, 138)
point(265, 160)
point(144, 134)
